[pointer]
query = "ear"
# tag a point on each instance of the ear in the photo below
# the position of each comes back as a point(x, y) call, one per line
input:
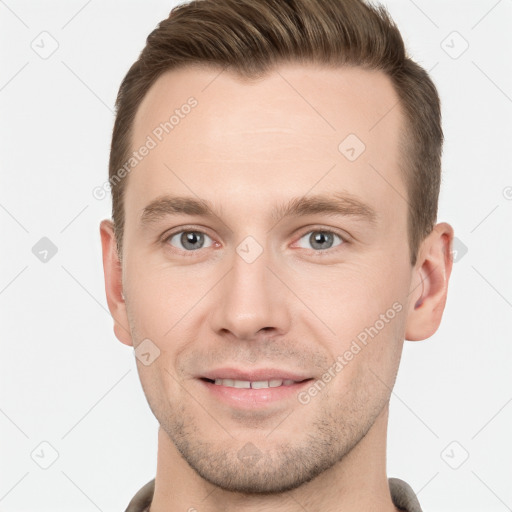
point(114, 283)
point(430, 283)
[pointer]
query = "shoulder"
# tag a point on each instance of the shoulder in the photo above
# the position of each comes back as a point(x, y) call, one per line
point(403, 496)
point(142, 499)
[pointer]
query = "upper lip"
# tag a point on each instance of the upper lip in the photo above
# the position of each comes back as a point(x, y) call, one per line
point(261, 374)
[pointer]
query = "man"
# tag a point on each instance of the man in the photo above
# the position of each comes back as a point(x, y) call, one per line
point(275, 170)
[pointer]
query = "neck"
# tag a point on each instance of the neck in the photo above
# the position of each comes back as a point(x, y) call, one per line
point(357, 482)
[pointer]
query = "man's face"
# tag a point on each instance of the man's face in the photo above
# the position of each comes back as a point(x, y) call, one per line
point(250, 289)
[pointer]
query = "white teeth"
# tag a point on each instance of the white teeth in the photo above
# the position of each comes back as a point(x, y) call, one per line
point(241, 384)
point(259, 384)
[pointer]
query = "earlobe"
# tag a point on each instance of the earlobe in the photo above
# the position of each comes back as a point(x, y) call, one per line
point(429, 290)
point(113, 282)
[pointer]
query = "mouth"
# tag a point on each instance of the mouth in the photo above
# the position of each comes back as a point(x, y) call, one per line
point(257, 384)
point(254, 394)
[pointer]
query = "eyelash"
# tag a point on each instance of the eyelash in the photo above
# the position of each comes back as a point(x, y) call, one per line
point(317, 253)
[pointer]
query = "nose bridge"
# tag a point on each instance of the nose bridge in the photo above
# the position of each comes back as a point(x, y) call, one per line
point(251, 297)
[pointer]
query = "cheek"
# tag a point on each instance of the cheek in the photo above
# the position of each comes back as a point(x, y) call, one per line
point(351, 297)
point(165, 305)
point(159, 297)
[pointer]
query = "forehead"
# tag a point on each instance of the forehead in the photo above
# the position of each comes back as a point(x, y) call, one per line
point(297, 128)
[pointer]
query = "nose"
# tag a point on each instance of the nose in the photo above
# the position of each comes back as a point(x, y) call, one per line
point(252, 301)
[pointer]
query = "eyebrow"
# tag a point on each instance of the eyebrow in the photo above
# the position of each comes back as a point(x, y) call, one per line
point(336, 204)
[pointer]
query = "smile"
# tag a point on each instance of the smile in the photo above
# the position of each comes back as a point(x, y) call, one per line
point(258, 384)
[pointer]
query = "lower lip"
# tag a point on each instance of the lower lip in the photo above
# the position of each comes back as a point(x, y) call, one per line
point(250, 398)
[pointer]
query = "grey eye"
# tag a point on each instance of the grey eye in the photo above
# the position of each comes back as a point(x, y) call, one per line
point(320, 239)
point(189, 240)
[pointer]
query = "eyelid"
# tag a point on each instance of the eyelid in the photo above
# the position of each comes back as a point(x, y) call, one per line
point(324, 229)
point(190, 228)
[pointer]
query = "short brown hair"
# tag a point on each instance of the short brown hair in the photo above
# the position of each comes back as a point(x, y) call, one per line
point(251, 37)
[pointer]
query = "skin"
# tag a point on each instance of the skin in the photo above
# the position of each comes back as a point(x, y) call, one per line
point(246, 147)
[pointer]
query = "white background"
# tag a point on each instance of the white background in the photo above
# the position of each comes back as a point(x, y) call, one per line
point(67, 381)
